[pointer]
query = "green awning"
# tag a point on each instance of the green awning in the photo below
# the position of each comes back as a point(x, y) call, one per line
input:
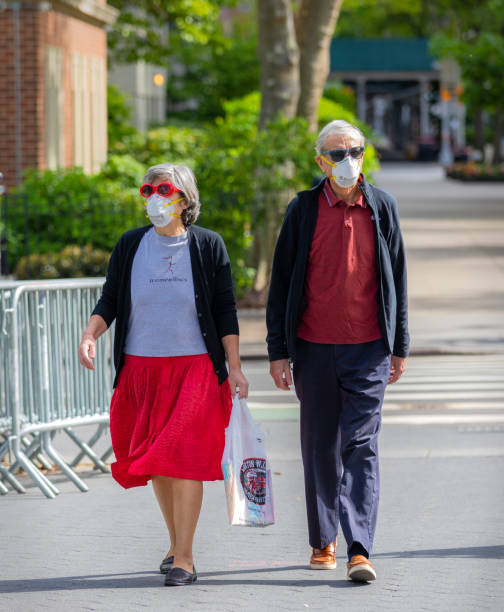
point(381, 55)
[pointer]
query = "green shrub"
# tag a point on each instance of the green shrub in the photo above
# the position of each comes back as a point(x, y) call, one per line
point(341, 94)
point(176, 144)
point(118, 117)
point(474, 171)
point(123, 169)
point(54, 208)
point(72, 262)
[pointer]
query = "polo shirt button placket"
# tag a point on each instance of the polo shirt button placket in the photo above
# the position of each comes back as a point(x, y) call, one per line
point(348, 218)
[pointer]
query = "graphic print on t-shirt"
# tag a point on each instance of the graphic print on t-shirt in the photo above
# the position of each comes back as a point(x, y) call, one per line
point(167, 272)
point(171, 265)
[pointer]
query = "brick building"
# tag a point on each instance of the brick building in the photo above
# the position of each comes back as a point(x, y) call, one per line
point(53, 83)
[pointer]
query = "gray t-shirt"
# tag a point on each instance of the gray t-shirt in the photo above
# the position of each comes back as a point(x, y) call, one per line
point(163, 320)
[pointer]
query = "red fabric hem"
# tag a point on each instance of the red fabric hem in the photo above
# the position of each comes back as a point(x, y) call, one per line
point(128, 479)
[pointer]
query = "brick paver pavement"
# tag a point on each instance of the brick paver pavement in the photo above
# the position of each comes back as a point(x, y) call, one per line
point(439, 544)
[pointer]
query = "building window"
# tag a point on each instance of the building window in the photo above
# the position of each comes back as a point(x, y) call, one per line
point(89, 102)
point(53, 105)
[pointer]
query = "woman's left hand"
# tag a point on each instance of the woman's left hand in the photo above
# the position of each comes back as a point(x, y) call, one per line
point(237, 381)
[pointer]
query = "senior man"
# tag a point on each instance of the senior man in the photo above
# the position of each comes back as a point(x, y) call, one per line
point(337, 309)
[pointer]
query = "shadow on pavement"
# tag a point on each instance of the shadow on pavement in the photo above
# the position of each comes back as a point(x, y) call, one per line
point(138, 580)
point(473, 552)
point(152, 579)
point(335, 584)
point(73, 583)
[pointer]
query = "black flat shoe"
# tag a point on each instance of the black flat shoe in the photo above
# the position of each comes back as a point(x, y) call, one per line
point(166, 564)
point(179, 577)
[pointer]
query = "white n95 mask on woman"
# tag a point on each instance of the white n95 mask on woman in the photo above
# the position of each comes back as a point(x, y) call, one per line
point(161, 212)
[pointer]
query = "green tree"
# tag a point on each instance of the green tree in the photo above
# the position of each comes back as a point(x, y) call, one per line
point(224, 69)
point(412, 19)
point(153, 30)
point(476, 41)
point(204, 65)
point(383, 18)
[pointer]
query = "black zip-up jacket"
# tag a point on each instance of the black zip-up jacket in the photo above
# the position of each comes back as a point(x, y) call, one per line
point(213, 292)
point(286, 300)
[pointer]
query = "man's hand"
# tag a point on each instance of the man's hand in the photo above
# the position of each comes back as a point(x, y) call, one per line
point(281, 373)
point(237, 380)
point(397, 367)
point(87, 351)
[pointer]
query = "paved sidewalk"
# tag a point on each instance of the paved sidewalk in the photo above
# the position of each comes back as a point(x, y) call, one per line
point(439, 544)
point(454, 236)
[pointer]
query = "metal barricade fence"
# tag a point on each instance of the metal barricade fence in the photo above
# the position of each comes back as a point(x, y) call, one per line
point(6, 293)
point(44, 388)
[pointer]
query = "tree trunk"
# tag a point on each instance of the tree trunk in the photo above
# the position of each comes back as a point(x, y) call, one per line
point(264, 244)
point(280, 44)
point(279, 59)
point(315, 23)
point(498, 135)
point(479, 131)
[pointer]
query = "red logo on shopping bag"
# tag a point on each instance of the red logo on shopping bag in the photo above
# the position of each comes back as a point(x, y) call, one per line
point(253, 480)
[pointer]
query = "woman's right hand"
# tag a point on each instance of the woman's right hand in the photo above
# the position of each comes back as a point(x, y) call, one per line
point(87, 351)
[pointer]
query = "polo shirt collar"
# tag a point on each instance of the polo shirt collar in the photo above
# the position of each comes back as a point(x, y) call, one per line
point(333, 199)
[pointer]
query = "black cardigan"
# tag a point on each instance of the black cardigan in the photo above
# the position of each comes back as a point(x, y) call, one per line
point(286, 300)
point(213, 292)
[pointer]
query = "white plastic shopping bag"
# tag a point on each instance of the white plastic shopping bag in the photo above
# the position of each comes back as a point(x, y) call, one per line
point(247, 476)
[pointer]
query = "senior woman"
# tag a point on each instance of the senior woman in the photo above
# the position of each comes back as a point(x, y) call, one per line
point(169, 289)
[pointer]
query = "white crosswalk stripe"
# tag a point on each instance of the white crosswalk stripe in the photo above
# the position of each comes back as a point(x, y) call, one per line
point(434, 390)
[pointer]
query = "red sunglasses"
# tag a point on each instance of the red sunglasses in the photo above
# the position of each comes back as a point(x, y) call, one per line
point(164, 189)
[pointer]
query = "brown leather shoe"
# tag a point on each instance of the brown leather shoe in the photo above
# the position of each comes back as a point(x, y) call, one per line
point(360, 569)
point(324, 558)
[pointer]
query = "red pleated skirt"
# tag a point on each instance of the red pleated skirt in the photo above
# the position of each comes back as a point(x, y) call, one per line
point(167, 418)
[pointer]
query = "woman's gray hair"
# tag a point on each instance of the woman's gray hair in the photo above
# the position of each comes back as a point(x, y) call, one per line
point(340, 128)
point(183, 178)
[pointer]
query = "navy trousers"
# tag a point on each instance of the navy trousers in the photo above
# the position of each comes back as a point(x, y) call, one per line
point(341, 389)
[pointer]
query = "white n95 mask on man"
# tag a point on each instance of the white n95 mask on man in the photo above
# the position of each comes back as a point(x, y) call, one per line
point(161, 212)
point(346, 172)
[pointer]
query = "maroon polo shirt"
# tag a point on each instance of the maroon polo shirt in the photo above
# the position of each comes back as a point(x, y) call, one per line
point(341, 279)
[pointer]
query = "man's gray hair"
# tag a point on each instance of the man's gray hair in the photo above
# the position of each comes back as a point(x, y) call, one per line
point(340, 128)
point(183, 178)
